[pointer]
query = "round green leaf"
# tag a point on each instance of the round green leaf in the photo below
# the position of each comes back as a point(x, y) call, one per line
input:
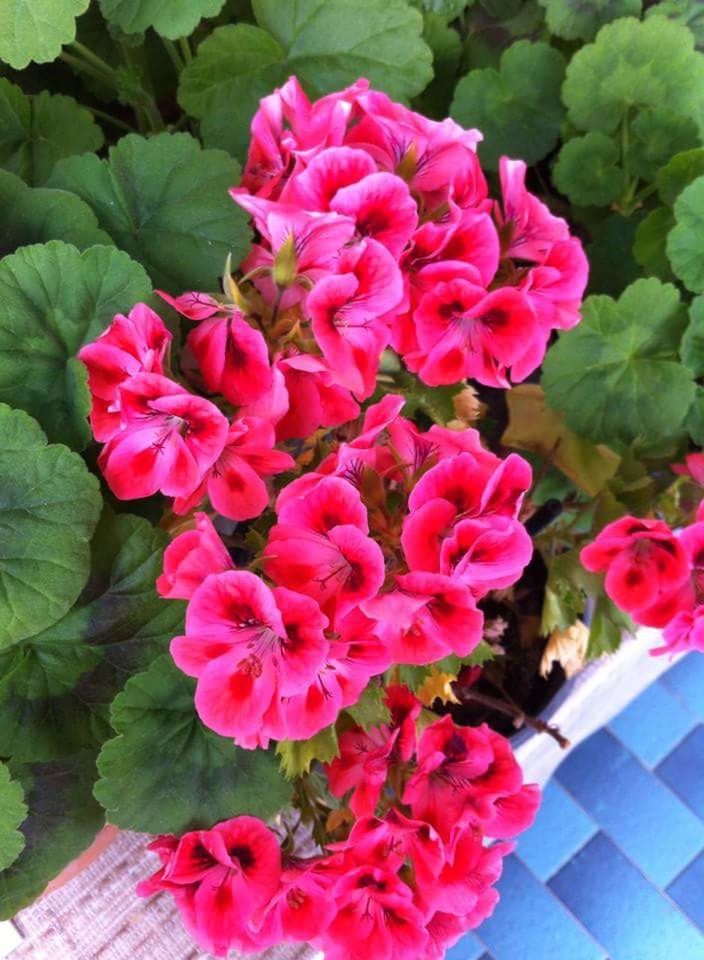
point(692, 349)
point(654, 136)
point(634, 64)
point(616, 377)
point(326, 43)
point(649, 245)
point(49, 507)
point(581, 19)
point(56, 686)
point(166, 772)
point(587, 170)
point(63, 820)
point(678, 173)
point(170, 18)
point(37, 29)
point(685, 242)
point(518, 106)
point(688, 12)
point(13, 811)
point(36, 215)
point(165, 201)
point(448, 9)
point(55, 299)
point(695, 418)
point(37, 131)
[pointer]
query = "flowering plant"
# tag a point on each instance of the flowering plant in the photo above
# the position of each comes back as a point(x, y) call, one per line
point(355, 479)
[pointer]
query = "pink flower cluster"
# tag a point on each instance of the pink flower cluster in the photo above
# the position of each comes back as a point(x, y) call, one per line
point(413, 874)
point(159, 436)
point(377, 222)
point(656, 575)
point(374, 228)
point(377, 557)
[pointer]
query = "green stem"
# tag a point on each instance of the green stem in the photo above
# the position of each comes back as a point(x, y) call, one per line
point(185, 49)
point(108, 118)
point(174, 55)
point(624, 144)
point(84, 67)
point(93, 59)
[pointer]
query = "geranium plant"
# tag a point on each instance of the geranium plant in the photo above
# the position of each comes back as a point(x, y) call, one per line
point(317, 474)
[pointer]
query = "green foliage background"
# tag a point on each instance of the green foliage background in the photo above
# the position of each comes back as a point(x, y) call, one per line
point(122, 124)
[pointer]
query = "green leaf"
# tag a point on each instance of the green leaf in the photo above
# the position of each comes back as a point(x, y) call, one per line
point(36, 215)
point(678, 173)
point(164, 201)
point(170, 18)
point(695, 418)
point(685, 242)
point(13, 811)
point(606, 629)
point(692, 349)
point(518, 106)
point(581, 19)
point(370, 710)
point(36, 131)
point(49, 507)
point(434, 402)
point(54, 300)
point(328, 44)
point(649, 245)
point(56, 686)
point(587, 170)
point(37, 29)
point(448, 9)
point(166, 772)
point(634, 64)
point(616, 376)
point(655, 135)
point(688, 12)
point(63, 820)
point(297, 756)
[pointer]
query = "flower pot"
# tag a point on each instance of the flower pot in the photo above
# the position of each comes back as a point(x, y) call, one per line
point(590, 699)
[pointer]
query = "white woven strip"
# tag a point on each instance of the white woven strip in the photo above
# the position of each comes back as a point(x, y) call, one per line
point(98, 916)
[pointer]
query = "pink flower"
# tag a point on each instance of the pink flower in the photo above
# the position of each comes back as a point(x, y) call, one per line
point(693, 467)
point(168, 440)
point(470, 868)
point(392, 841)
point(362, 766)
point(646, 567)
point(428, 154)
point(232, 357)
point(468, 775)
point(533, 229)
point(461, 521)
point(320, 547)
point(235, 483)
point(247, 644)
point(194, 305)
point(465, 332)
point(314, 397)
point(219, 878)
point(287, 130)
point(345, 309)
point(302, 907)
point(427, 617)
point(556, 286)
point(132, 344)
point(684, 632)
point(375, 917)
point(190, 558)
point(307, 242)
